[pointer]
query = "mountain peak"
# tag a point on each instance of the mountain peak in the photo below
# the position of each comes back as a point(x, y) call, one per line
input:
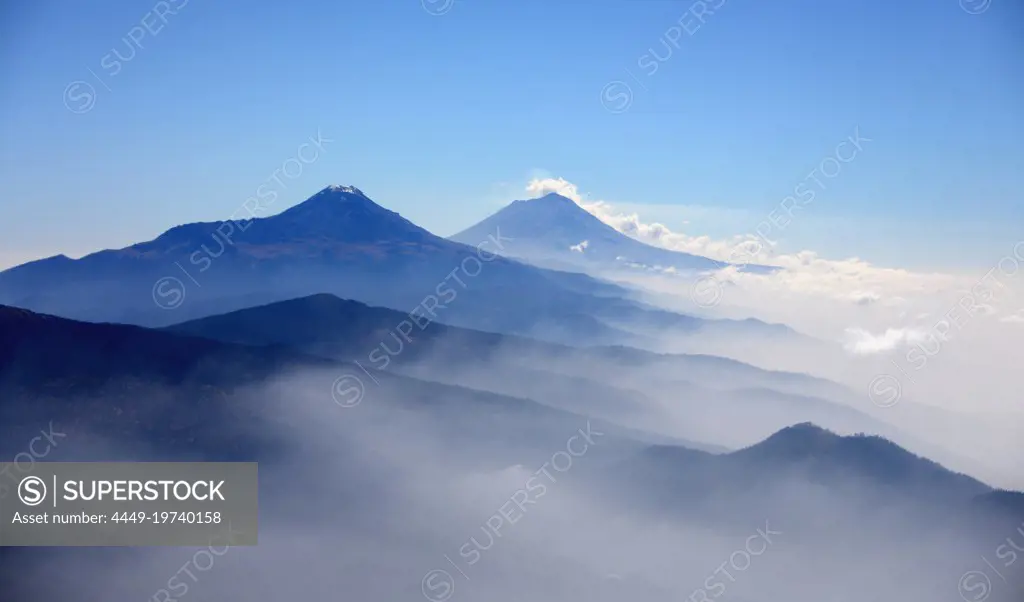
point(550, 229)
point(799, 440)
point(826, 454)
point(805, 435)
point(553, 209)
point(808, 440)
point(339, 213)
point(344, 189)
point(334, 200)
point(552, 197)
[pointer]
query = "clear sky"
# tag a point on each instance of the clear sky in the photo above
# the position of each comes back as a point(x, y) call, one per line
point(444, 117)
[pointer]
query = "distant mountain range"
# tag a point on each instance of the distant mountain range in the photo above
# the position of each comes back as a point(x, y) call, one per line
point(491, 342)
point(554, 230)
point(717, 401)
point(340, 242)
point(381, 338)
point(183, 396)
point(125, 393)
point(193, 395)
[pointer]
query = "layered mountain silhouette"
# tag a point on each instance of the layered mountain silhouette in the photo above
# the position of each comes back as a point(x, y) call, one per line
point(178, 393)
point(184, 396)
point(341, 242)
point(329, 326)
point(702, 393)
point(554, 230)
point(126, 393)
point(47, 361)
point(337, 241)
point(166, 392)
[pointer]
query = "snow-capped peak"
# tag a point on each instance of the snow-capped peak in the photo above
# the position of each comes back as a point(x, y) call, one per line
point(348, 189)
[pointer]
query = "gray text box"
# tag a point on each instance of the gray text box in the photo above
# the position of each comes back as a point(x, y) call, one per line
point(131, 504)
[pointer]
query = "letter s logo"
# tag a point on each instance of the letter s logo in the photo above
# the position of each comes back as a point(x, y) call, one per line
point(438, 585)
point(169, 293)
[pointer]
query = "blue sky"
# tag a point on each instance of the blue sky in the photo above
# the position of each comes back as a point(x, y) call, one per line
point(443, 118)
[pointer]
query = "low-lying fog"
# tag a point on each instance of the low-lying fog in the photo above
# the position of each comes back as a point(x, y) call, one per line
point(499, 499)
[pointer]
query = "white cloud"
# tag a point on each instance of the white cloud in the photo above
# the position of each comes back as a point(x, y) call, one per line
point(864, 317)
point(542, 186)
point(850, 280)
point(867, 311)
point(865, 297)
point(580, 247)
point(862, 342)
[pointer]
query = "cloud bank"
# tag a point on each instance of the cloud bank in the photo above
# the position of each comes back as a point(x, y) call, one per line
point(943, 334)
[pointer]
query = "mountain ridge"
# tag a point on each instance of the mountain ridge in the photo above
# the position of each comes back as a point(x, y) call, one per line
point(555, 229)
point(318, 313)
point(337, 241)
point(177, 392)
